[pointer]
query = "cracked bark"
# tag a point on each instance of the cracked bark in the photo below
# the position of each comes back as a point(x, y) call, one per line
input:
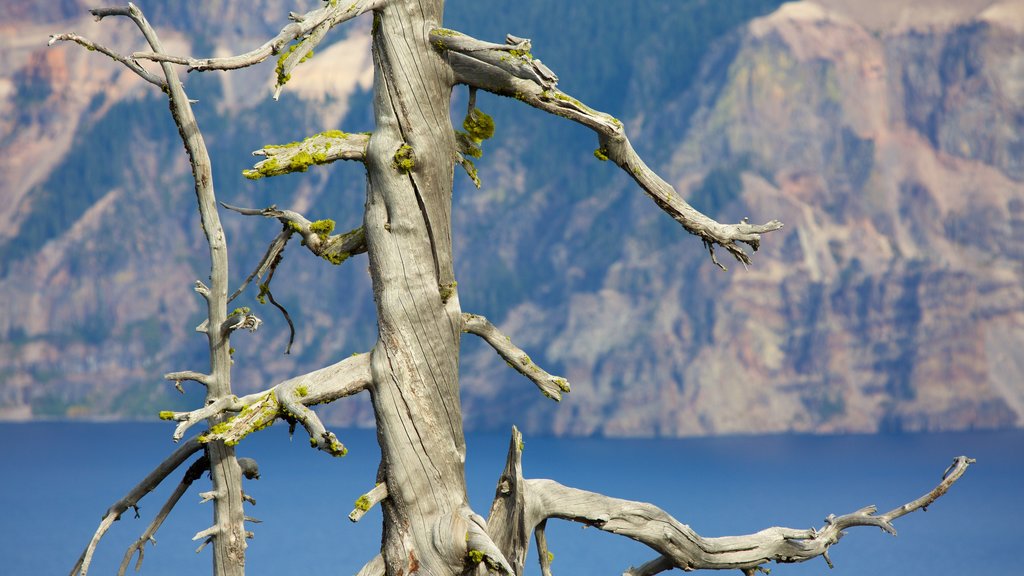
point(415, 360)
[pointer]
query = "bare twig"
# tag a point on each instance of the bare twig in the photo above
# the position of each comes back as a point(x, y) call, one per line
point(316, 236)
point(265, 291)
point(188, 375)
point(130, 63)
point(550, 386)
point(270, 258)
point(335, 248)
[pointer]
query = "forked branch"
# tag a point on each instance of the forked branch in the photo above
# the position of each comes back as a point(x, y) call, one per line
point(513, 72)
point(550, 386)
point(249, 469)
point(130, 63)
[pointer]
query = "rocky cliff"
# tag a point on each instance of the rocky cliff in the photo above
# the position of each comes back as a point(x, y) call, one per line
point(886, 137)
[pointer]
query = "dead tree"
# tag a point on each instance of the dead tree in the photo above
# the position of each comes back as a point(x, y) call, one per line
point(411, 373)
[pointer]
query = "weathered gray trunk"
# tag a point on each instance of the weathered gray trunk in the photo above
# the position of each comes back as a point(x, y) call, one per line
point(408, 230)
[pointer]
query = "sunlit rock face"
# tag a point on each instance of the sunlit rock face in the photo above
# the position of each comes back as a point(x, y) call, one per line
point(886, 137)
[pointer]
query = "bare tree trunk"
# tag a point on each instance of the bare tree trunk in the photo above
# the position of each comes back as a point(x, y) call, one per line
point(408, 231)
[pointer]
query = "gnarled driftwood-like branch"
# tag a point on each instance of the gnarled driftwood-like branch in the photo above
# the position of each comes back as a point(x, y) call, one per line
point(520, 506)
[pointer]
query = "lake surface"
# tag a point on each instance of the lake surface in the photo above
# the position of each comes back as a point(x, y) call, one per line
point(57, 480)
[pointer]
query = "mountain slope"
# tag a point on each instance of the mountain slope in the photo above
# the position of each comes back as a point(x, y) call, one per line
point(887, 140)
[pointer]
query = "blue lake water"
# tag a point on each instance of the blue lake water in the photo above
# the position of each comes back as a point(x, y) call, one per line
point(57, 480)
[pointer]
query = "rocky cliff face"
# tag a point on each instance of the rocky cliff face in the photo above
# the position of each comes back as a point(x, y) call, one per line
point(893, 298)
point(888, 141)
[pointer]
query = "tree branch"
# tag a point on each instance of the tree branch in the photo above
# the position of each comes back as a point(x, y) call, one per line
point(509, 522)
point(130, 63)
point(367, 501)
point(249, 469)
point(317, 149)
point(179, 377)
point(482, 549)
point(544, 555)
point(521, 506)
point(550, 386)
point(188, 419)
point(191, 475)
point(229, 549)
point(316, 235)
point(131, 499)
point(301, 26)
point(270, 258)
point(517, 75)
point(289, 400)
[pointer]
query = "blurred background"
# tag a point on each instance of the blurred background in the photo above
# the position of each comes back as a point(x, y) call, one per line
point(886, 135)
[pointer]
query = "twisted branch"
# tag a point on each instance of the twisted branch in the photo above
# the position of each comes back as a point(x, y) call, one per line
point(516, 75)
